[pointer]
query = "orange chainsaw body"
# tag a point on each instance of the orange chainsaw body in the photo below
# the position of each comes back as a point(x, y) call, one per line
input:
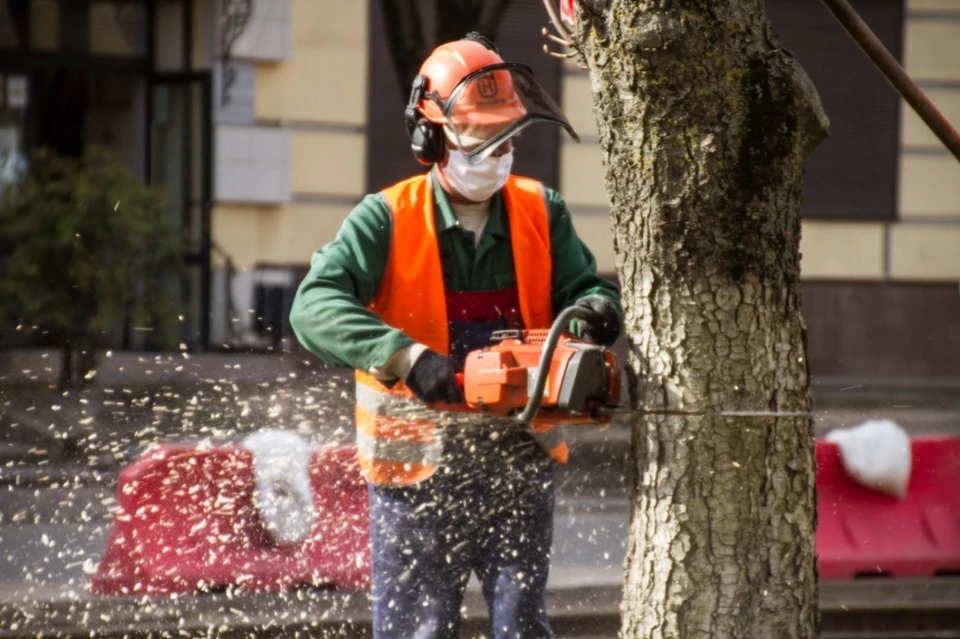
point(582, 377)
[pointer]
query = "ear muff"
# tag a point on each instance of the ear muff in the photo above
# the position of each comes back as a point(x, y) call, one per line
point(426, 138)
point(427, 142)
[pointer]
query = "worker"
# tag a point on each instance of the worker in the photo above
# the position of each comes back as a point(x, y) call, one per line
point(419, 275)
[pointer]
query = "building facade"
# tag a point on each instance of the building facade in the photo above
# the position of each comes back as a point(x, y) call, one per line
point(270, 119)
point(881, 228)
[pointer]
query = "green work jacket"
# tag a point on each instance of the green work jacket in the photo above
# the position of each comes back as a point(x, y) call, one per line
point(330, 316)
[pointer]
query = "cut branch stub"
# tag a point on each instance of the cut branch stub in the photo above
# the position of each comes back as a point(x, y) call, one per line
point(563, 21)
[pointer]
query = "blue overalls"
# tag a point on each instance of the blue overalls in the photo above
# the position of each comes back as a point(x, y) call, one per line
point(488, 509)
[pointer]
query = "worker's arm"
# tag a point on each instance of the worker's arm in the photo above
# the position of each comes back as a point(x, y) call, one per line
point(574, 267)
point(329, 314)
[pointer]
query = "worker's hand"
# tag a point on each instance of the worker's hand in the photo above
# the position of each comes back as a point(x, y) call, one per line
point(433, 378)
point(602, 325)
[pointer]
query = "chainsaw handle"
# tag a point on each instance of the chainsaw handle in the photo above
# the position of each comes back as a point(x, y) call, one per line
point(546, 356)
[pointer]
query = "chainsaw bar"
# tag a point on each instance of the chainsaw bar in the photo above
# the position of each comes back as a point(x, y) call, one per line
point(705, 413)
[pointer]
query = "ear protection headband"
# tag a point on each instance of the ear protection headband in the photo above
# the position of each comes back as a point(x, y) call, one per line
point(426, 137)
point(475, 36)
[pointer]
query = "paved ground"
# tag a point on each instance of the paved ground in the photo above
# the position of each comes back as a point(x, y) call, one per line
point(59, 455)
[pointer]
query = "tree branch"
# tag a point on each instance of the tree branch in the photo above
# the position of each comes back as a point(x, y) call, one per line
point(565, 38)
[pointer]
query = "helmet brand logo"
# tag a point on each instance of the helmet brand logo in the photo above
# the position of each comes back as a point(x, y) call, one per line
point(487, 87)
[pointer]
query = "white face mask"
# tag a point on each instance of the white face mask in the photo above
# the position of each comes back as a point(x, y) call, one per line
point(477, 183)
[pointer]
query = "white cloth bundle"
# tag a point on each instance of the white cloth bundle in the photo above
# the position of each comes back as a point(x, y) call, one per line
point(281, 471)
point(876, 454)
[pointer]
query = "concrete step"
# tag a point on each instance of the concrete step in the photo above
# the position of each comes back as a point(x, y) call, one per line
point(861, 609)
point(66, 504)
point(50, 540)
point(14, 453)
point(44, 474)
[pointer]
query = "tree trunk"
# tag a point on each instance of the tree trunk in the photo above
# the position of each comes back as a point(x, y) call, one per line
point(706, 125)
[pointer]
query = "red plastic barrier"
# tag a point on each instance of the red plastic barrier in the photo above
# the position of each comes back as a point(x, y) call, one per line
point(865, 532)
point(187, 522)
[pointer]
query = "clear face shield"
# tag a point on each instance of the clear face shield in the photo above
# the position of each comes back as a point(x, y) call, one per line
point(493, 104)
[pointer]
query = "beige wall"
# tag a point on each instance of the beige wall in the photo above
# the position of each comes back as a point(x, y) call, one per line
point(923, 244)
point(325, 78)
point(317, 94)
point(581, 169)
point(276, 235)
point(328, 163)
point(843, 250)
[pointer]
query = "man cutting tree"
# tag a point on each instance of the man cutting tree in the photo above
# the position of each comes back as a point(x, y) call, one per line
point(419, 275)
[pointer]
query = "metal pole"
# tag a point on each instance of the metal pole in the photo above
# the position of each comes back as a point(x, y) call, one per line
point(896, 76)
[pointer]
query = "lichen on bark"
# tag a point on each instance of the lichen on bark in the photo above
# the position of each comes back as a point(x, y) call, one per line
point(706, 124)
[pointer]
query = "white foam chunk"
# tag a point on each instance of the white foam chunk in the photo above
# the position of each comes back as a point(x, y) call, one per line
point(876, 454)
point(281, 471)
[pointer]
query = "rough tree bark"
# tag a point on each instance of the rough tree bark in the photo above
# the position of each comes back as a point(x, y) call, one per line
point(706, 124)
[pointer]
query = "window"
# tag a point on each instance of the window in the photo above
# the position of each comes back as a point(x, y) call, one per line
point(13, 23)
point(853, 173)
point(97, 27)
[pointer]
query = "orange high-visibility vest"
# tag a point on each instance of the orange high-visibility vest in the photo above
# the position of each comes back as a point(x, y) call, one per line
point(398, 439)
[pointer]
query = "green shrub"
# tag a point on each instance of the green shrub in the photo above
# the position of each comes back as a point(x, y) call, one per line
point(91, 248)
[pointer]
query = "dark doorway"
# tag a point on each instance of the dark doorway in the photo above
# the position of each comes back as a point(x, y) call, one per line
point(518, 37)
point(77, 108)
point(63, 100)
point(853, 173)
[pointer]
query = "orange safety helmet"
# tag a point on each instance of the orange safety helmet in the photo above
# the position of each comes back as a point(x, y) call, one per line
point(466, 87)
point(490, 100)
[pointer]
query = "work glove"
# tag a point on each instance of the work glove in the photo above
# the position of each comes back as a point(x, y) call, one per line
point(602, 324)
point(433, 379)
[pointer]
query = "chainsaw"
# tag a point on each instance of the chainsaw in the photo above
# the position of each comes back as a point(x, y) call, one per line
point(555, 377)
point(550, 375)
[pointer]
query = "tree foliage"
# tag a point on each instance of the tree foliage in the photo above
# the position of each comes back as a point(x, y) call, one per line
point(91, 248)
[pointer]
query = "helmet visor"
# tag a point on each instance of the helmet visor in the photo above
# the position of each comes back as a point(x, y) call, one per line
point(493, 104)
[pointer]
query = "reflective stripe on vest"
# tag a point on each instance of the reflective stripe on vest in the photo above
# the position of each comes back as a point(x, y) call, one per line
point(397, 442)
point(399, 439)
point(550, 438)
point(399, 452)
point(369, 399)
